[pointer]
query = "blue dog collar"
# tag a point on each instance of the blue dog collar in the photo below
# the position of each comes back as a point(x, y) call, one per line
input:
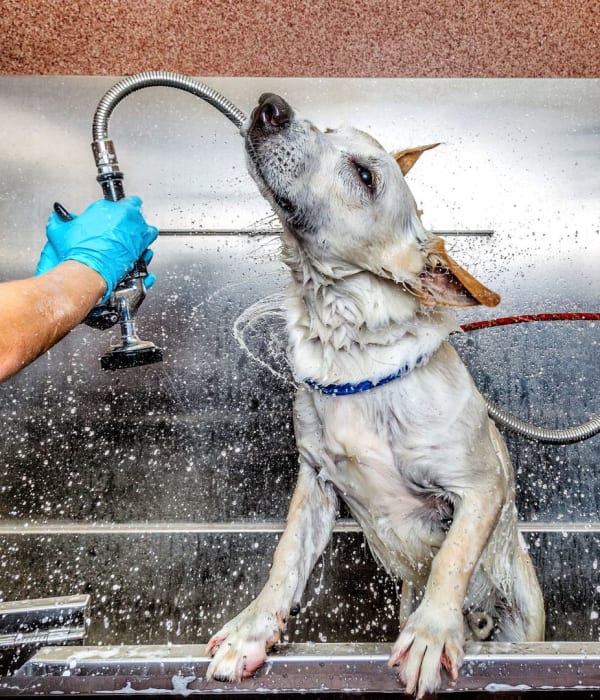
point(367, 384)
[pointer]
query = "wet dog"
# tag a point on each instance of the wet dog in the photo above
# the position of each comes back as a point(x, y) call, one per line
point(386, 415)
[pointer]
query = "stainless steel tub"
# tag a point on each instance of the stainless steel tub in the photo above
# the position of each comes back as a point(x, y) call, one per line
point(160, 491)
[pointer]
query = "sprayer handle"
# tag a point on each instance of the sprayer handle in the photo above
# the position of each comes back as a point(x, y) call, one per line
point(102, 317)
point(110, 178)
point(112, 186)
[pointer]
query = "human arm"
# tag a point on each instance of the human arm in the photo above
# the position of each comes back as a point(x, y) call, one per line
point(82, 262)
point(37, 312)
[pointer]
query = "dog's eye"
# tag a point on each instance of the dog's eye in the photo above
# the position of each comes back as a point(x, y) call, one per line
point(366, 176)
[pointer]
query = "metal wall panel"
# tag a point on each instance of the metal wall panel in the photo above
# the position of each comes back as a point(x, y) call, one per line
point(156, 588)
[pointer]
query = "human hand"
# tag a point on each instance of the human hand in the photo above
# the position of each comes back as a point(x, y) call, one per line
point(108, 237)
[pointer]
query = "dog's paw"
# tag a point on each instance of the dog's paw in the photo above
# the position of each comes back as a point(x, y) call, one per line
point(241, 646)
point(432, 639)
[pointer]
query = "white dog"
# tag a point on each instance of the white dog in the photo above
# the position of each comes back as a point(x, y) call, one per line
point(386, 415)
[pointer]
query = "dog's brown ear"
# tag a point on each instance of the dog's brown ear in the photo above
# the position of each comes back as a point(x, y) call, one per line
point(445, 283)
point(407, 158)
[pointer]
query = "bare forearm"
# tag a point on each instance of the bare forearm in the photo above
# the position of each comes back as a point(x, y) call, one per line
point(35, 313)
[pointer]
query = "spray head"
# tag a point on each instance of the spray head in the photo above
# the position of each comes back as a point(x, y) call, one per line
point(126, 299)
point(121, 308)
point(136, 354)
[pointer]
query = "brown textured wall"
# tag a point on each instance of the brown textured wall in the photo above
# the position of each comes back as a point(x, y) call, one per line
point(445, 38)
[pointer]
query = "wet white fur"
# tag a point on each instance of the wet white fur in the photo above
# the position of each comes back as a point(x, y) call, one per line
point(401, 455)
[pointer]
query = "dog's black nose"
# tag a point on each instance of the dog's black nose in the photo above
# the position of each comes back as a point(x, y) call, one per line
point(273, 113)
point(274, 110)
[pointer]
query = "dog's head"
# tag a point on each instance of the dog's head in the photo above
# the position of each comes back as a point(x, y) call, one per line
point(344, 201)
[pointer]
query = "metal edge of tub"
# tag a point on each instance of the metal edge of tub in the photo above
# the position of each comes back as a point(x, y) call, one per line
point(341, 669)
point(41, 621)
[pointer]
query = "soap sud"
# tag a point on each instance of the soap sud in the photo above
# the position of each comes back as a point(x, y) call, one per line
point(180, 687)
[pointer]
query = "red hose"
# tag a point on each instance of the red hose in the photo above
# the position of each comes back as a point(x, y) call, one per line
point(532, 432)
point(529, 318)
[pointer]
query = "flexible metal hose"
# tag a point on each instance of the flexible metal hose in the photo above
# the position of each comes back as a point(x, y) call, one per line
point(156, 79)
point(533, 432)
point(561, 436)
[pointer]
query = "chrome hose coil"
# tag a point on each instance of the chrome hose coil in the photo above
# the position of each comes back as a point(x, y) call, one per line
point(532, 432)
point(160, 79)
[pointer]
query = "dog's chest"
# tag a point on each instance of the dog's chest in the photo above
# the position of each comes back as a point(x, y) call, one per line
point(403, 528)
point(361, 462)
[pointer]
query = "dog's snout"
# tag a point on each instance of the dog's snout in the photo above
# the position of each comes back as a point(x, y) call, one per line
point(272, 114)
point(274, 110)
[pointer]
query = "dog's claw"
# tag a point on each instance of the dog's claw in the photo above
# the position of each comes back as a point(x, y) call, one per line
point(237, 662)
point(450, 660)
point(400, 649)
point(214, 644)
point(241, 647)
point(430, 641)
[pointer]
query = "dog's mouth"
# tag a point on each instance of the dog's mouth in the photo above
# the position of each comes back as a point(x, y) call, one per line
point(288, 207)
point(265, 136)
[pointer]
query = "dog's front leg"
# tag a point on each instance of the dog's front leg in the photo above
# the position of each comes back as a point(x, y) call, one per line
point(241, 646)
point(433, 636)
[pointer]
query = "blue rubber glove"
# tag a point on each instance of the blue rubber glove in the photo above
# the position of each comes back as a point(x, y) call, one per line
point(108, 237)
